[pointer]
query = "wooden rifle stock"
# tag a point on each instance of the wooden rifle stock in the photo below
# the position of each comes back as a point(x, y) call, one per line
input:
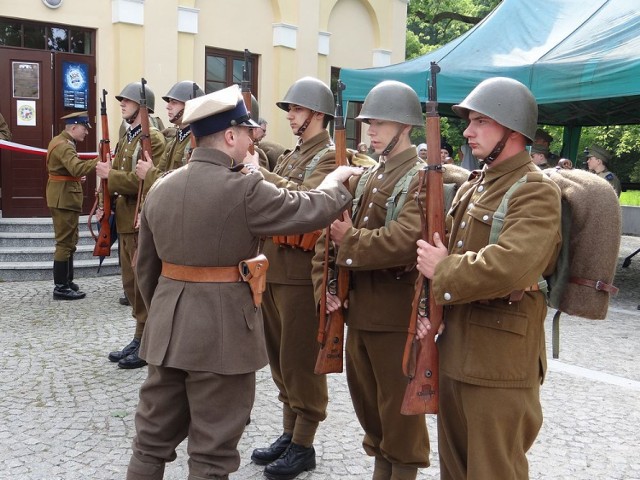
point(420, 359)
point(145, 140)
point(246, 91)
point(103, 239)
point(331, 326)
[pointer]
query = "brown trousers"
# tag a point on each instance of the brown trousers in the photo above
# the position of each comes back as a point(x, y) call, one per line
point(128, 243)
point(65, 227)
point(484, 433)
point(210, 409)
point(377, 386)
point(291, 328)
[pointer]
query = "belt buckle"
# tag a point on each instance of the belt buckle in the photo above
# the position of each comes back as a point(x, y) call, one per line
point(600, 285)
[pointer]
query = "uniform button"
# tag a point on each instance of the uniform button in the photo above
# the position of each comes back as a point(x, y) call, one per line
point(447, 296)
point(481, 188)
point(365, 219)
point(370, 204)
point(485, 217)
point(459, 244)
point(375, 190)
point(289, 167)
point(349, 261)
point(380, 176)
point(343, 196)
point(463, 224)
point(299, 175)
point(470, 206)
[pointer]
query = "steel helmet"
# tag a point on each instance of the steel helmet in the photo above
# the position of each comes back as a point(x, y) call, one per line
point(505, 100)
point(132, 92)
point(183, 91)
point(310, 93)
point(392, 101)
point(255, 109)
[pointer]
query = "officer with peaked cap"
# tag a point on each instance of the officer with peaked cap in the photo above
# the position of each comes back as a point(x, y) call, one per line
point(492, 349)
point(598, 162)
point(377, 247)
point(539, 155)
point(204, 339)
point(123, 183)
point(64, 199)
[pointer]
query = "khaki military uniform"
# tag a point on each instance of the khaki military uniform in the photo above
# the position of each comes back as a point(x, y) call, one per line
point(381, 261)
point(204, 341)
point(64, 192)
point(612, 179)
point(291, 320)
point(123, 182)
point(271, 151)
point(176, 154)
point(5, 132)
point(492, 352)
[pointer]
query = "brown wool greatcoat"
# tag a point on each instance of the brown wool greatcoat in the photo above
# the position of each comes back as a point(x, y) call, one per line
point(381, 261)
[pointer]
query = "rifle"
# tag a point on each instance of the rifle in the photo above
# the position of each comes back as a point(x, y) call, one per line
point(246, 90)
point(420, 359)
point(192, 138)
point(145, 140)
point(103, 239)
point(331, 329)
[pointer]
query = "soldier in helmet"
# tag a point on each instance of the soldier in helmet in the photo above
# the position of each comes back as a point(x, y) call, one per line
point(289, 308)
point(178, 145)
point(377, 247)
point(598, 162)
point(492, 347)
point(123, 182)
point(64, 199)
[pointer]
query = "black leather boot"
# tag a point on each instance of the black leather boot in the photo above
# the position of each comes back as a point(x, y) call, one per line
point(295, 460)
point(62, 290)
point(264, 456)
point(72, 285)
point(120, 354)
point(123, 300)
point(132, 360)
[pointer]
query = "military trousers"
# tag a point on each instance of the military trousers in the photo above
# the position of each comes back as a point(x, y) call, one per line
point(291, 328)
point(128, 244)
point(65, 227)
point(377, 385)
point(210, 409)
point(483, 432)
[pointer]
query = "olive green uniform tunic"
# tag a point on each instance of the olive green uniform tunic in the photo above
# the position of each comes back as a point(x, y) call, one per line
point(123, 183)
point(176, 154)
point(64, 197)
point(291, 321)
point(492, 352)
point(381, 260)
point(612, 179)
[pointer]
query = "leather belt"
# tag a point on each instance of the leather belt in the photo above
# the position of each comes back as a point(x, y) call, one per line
point(187, 273)
point(514, 296)
point(598, 285)
point(64, 178)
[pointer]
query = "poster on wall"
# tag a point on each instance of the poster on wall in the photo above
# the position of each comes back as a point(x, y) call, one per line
point(75, 85)
point(26, 79)
point(26, 113)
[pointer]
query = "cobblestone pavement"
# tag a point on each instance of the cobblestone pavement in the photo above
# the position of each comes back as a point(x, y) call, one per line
point(67, 412)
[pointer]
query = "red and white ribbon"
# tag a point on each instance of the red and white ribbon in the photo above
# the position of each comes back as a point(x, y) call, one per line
point(18, 147)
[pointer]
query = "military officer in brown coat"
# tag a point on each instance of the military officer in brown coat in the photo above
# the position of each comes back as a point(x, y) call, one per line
point(289, 307)
point(492, 349)
point(123, 182)
point(376, 246)
point(205, 337)
point(64, 199)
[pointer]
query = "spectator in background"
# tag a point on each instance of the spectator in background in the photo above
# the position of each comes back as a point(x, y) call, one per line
point(467, 158)
point(422, 151)
point(446, 152)
point(543, 138)
point(598, 162)
point(539, 155)
point(5, 133)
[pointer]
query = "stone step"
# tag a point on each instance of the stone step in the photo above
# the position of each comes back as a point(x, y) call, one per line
point(36, 224)
point(42, 254)
point(28, 271)
point(39, 239)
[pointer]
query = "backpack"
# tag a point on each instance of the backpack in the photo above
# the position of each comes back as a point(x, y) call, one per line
point(582, 281)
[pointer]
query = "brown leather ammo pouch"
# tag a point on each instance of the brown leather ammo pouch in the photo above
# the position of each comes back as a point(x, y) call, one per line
point(306, 242)
point(254, 272)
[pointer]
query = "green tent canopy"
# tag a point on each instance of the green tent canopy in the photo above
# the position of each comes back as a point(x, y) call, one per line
point(580, 58)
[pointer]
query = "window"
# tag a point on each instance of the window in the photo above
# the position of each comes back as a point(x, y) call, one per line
point(15, 33)
point(224, 68)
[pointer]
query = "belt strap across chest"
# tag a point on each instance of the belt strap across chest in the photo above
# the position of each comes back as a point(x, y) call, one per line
point(187, 273)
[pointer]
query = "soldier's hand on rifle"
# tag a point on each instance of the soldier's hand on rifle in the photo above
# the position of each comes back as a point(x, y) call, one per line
point(340, 226)
point(343, 173)
point(424, 325)
point(333, 302)
point(429, 256)
point(99, 213)
point(103, 169)
point(144, 165)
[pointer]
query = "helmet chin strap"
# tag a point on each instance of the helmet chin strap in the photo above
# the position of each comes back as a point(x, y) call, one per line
point(133, 117)
point(393, 142)
point(177, 117)
point(497, 150)
point(306, 123)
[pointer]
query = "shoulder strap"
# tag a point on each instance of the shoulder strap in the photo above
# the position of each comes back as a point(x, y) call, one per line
point(314, 161)
point(400, 192)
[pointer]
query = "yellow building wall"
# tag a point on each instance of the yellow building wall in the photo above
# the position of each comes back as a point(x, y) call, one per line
point(156, 50)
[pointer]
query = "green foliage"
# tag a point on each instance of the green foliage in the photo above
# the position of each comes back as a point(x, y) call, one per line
point(630, 197)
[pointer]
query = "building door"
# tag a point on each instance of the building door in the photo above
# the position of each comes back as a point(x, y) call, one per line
point(38, 92)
